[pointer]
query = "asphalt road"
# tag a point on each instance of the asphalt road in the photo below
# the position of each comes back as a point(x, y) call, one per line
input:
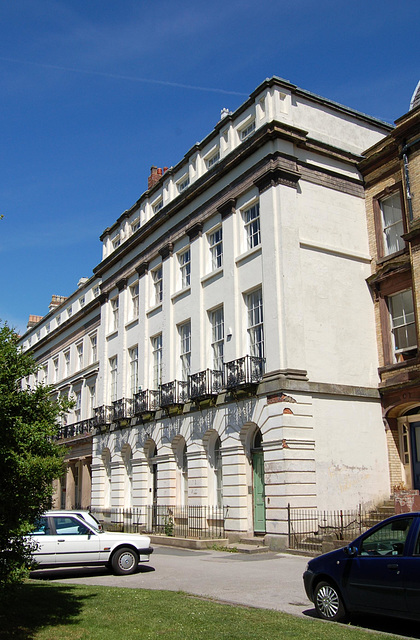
point(269, 580)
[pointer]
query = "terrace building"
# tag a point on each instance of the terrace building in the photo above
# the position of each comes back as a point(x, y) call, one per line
point(236, 361)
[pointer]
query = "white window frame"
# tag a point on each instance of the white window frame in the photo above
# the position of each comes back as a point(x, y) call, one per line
point(135, 224)
point(183, 183)
point(217, 337)
point(254, 303)
point(79, 349)
point(82, 302)
point(133, 355)
point(185, 349)
point(157, 353)
point(113, 378)
point(116, 241)
point(114, 313)
point(215, 240)
point(92, 399)
point(392, 223)
point(56, 365)
point(69, 312)
point(252, 225)
point(247, 131)
point(157, 279)
point(157, 204)
point(78, 405)
point(93, 347)
point(402, 325)
point(66, 355)
point(184, 259)
point(134, 298)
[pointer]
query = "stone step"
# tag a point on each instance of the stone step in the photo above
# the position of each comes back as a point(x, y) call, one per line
point(249, 548)
point(255, 540)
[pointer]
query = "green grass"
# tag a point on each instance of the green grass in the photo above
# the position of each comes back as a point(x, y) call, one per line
point(45, 611)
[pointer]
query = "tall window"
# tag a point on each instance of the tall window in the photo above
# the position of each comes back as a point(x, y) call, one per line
point(185, 336)
point(403, 324)
point(218, 473)
point(157, 277)
point(93, 348)
point(55, 365)
point(392, 223)
point(217, 338)
point(113, 364)
point(66, 363)
point(92, 400)
point(133, 355)
point(157, 360)
point(185, 267)
point(216, 248)
point(78, 405)
point(252, 225)
point(114, 319)
point(79, 348)
point(134, 293)
point(255, 323)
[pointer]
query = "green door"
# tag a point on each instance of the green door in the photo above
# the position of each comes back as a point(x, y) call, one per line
point(259, 493)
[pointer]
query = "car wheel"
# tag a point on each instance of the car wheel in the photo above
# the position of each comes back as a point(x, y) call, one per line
point(328, 602)
point(124, 561)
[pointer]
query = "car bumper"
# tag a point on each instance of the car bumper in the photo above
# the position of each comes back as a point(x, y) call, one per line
point(144, 554)
point(308, 580)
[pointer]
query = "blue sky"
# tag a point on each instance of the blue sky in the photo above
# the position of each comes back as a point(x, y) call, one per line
point(92, 93)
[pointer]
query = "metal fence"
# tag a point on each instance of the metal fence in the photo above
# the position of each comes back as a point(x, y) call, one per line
point(188, 521)
point(318, 531)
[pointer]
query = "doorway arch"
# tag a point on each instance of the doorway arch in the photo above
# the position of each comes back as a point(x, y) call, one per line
point(258, 483)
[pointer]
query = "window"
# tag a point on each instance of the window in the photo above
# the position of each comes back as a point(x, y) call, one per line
point(79, 349)
point(92, 400)
point(216, 248)
point(38, 334)
point(113, 364)
point(82, 302)
point(389, 540)
point(134, 294)
point(183, 183)
point(114, 319)
point(45, 373)
point(78, 406)
point(392, 223)
point(135, 225)
point(96, 291)
point(93, 348)
point(252, 225)
point(116, 241)
point(47, 328)
point(255, 324)
point(55, 365)
point(133, 355)
point(157, 360)
point(185, 336)
point(218, 473)
point(157, 277)
point(217, 338)
point(403, 324)
point(248, 130)
point(69, 312)
point(185, 267)
point(66, 363)
point(213, 159)
point(58, 320)
point(157, 205)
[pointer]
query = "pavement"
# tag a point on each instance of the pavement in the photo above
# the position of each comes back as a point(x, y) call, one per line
point(269, 581)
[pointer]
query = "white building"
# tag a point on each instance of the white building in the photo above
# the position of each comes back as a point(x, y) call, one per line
point(236, 359)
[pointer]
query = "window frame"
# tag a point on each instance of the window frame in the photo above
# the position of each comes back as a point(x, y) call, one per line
point(255, 329)
point(216, 248)
point(184, 261)
point(377, 201)
point(133, 356)
point(157, 280)
point(115, 313)
point(184, 331)
point(157, 359)
point(113, 377)
point(252, 225)
point(217, 337)
point(408, 323)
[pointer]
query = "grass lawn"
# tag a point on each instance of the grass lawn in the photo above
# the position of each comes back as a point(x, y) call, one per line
point(78, 612)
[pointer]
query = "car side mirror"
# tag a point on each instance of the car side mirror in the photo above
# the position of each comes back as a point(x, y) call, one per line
point(350, 550)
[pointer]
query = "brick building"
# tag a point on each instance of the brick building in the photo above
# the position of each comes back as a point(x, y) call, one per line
point(391, 170)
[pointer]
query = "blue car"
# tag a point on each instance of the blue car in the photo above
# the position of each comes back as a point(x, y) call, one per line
point(378, 573)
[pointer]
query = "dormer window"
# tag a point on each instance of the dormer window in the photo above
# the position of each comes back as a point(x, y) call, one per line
point(183, 183)
point(247, 131)
point(116, 241)
point(135, 225)
point(212, 158)
point(157, 205)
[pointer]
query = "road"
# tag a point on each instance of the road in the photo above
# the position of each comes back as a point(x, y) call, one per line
point(270, 580)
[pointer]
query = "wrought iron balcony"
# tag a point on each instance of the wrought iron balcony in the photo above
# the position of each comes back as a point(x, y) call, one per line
point(102, 416)
point(205, 384)
point(243, 371)
point(146, 401)
point(173, 393)
point(121, 409)
point(76, 429)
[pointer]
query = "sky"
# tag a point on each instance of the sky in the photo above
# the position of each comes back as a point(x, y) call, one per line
point(95, 92)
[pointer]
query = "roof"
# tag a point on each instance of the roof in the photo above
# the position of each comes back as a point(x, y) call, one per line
point(415, 98)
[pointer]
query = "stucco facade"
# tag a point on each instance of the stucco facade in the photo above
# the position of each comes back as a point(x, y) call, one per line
point(237, 360)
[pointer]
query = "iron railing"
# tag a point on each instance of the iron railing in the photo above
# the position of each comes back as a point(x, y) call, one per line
point(76, 429)
point(309, 529)
point(146, 401)
point(205, 384)
point(189, 521)
point(243, 371)
point(122, 409)
point(175, 392)
point(102, 416)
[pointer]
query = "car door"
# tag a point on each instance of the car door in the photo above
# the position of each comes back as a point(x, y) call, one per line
point(46, 544)
point(375, 578)
point(77, 543)
point(412, 574)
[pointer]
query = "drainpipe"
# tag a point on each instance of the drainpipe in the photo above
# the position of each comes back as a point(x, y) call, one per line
point(404, 154)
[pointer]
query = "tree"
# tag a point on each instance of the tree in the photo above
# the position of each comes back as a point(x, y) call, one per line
point(30, 459)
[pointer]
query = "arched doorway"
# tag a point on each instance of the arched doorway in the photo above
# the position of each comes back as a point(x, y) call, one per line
point(257, 458)
point(409, 445)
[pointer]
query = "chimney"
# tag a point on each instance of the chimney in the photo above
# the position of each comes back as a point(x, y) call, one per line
point(33, 320)
point(155, 176)
point(81, 282)
point(56, 301)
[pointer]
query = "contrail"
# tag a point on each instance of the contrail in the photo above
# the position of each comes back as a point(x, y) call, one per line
point(115, 76)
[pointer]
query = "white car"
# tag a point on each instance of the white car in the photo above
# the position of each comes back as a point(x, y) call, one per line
point(64, 538)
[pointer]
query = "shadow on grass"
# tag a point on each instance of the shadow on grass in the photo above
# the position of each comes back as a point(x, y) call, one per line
point(62, 573)
point(384, 624)
point(30, 607)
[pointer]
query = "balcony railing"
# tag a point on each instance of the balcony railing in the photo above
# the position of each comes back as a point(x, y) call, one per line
point(76, 429)
point(146, 401)
point(122, 409)
point(175, 392)
point(102, 416)
point(243, 371)
point(205, 384)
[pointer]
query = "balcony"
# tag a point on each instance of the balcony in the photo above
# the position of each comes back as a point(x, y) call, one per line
point(205, 384)
point(102, 416)
point(121, 409)
point(243, 372)
point(146, 401)
point(80, 428)
point(173, 393)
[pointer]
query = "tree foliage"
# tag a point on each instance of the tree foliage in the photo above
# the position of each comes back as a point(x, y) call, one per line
point(29, 458)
